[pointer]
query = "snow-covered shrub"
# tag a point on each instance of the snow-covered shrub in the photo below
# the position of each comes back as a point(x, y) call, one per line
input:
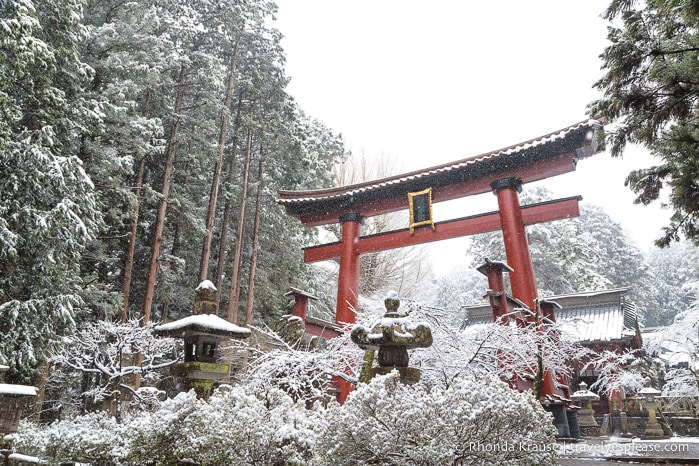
point(618, 372)
point(503, 351)
point(303, 375)
point(383, 422)
point(105, 352)
point(678, 345)
point(147, 398)
point(95, 437)
point(470, 422)
point(232, 428)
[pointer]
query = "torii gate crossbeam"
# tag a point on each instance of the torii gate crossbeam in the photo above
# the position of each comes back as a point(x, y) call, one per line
point(482, 223)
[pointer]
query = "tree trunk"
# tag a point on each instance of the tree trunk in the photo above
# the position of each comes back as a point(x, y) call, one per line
point(167, 289)
point(128, 267)
point(255, 245)
point(43, 371)
point(227, 205)
point(160, 218)
point(213, 197)
point(234, 294)
point(162, 205)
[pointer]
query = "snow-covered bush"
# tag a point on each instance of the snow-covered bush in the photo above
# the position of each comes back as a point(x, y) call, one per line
point(621, 373)
point(232, 428)
point(678, 345)
point(301, 373)
point(503, 351)
point(95, 437)
point(680, 383)
point(470, 422)
point(383, 422)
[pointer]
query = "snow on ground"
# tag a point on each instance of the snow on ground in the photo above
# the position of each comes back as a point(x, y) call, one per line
point(674, 447)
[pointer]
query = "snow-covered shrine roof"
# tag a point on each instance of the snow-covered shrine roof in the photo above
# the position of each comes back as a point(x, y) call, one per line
point(535, 159)
point(591, 317)
point(202, 323)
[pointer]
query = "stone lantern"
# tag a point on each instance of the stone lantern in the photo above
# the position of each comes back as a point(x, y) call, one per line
point(653, 427)
point(586, 419)
point(202, 333)
point(393, 335)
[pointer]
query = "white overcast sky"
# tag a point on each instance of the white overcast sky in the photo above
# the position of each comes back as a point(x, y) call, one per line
point(425, 83)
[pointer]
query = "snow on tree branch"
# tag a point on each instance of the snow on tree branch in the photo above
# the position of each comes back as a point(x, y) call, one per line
point(107, 349)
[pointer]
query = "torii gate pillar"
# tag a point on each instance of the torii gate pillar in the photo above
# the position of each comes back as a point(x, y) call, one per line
point(515, 239)
point(348, 283)
point(514, 236)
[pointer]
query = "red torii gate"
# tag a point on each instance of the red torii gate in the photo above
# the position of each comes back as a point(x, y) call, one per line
point(503, 171)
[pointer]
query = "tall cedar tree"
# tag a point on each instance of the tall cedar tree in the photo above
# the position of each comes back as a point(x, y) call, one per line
point(651, 92)
point(47, 201)
point(87, 96)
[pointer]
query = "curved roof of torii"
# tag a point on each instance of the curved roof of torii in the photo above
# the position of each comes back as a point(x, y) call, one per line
point(539, 158)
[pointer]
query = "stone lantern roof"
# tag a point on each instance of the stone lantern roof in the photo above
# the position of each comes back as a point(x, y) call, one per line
point(393, 329)
point(583, 394)
point(204, 321)
point(13, 400)
point(205, 324)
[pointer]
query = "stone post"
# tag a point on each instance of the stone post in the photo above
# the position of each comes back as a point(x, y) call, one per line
point(586, 415)
point(653, 427)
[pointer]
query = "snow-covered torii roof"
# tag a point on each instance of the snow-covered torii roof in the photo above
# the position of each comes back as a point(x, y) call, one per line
point(539, 158)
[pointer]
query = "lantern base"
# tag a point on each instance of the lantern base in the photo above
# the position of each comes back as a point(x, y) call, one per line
point(408, 375)
point(200, 376)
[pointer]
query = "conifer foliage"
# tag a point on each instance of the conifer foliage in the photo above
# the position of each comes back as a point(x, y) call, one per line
point(650, 95)
point(48, 209)
point(123, 131)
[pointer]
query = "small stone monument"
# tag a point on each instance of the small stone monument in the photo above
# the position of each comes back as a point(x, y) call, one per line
point(292, 330)
point(292, 327)
point(393, 335)
point(653, 428)
point(202, 334)
point(586, 415)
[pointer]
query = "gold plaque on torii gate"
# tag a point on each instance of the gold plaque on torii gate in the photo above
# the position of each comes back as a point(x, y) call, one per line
point(420, 209)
